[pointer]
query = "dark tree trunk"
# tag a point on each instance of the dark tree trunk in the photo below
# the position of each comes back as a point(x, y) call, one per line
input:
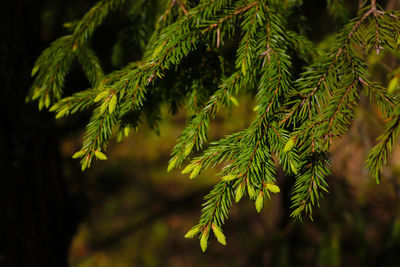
point(37, 217)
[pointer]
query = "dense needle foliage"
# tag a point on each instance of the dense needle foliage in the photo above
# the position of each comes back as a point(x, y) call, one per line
point(201, 55)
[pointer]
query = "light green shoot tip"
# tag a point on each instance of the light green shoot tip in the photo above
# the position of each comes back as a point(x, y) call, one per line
point(239, 193)
point(195, 171)
point(100, 96)
point(100, 155)
point(229, 177)
point(189, 168)
point(273, 188)
point(234, 100)
point(289, 145)
point(192, 232)
point(260, 201)
point(219, 235)
point(62, 112)
point(78, 154)
point(393, 84)
point(188, 149)
point(172, 164)
point(204, 240)
point(113, 104)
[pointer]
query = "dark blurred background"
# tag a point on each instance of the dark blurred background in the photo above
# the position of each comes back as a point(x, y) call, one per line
point(128, 211)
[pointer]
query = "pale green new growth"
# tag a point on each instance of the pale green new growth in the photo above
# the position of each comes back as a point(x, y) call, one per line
point(192, 232)
point(259, 202)
point(218, 234)
point(100, 155)
point(204, 240)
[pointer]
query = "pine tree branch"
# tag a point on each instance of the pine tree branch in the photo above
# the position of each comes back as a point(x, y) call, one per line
point(295, 121)
point(379, 154)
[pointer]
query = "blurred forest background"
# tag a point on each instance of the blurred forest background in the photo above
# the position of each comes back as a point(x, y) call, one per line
point(128, 211)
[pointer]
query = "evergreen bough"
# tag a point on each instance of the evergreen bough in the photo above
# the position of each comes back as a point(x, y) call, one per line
point(298, 114)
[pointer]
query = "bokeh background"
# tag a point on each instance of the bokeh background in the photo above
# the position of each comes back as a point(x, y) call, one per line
point(128, 211)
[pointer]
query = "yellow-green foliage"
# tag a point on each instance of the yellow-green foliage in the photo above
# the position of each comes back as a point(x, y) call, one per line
point(186, 59)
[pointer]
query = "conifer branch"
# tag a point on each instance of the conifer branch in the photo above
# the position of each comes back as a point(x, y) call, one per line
point(295, 122)
point(310, 182)
point(54, 63)
point(379, 154)
point(330, 107)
